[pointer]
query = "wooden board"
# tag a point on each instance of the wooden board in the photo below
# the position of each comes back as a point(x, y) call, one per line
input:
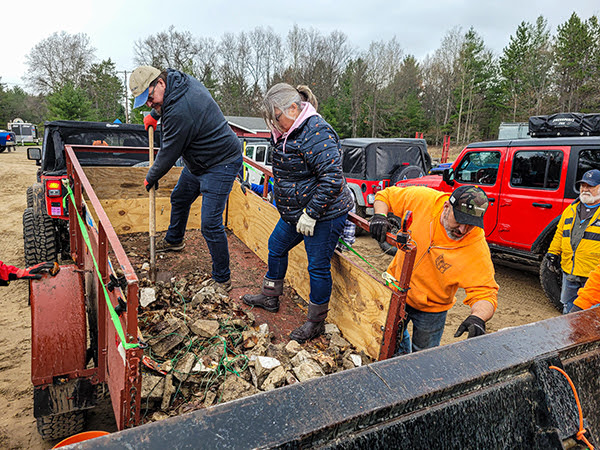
point(128, 182)
point(359, 303)
point(125, 200)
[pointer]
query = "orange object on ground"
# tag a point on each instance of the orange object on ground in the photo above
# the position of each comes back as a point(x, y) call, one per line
point(85, 436)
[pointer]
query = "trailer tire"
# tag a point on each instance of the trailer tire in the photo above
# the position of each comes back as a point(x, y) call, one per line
point(551, 284)
point(60, 426)
point(39, 238)
point(2, 149)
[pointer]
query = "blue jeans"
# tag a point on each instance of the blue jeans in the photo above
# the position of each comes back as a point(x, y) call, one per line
point(568, 292)
point(319, 250)
point(428, 328)
point(214, 185)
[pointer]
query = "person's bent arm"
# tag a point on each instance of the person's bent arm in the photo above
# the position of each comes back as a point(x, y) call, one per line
point(483, 309)
point(380, 207)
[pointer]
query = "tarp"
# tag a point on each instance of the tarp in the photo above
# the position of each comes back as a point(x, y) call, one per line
point(61, 132)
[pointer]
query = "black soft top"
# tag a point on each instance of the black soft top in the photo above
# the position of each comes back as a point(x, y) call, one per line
point(60, 132)
point(376, 158)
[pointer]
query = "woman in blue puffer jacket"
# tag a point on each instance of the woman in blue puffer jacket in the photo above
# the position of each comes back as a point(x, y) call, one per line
point(311, 196)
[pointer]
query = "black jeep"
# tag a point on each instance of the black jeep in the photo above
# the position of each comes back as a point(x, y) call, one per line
point(45, 220)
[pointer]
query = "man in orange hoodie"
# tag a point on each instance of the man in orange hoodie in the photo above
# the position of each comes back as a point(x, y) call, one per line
point(589, 295)
point(451, 253)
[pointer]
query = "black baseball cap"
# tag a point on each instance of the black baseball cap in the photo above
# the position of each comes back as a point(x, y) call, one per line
point(469, 204)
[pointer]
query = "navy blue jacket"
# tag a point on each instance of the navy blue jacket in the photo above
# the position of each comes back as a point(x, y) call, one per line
point(193, 127)
point(308, 174)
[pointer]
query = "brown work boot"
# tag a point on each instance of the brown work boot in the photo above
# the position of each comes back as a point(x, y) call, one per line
point(314, 325)
point(164, 246)
point(268, 299)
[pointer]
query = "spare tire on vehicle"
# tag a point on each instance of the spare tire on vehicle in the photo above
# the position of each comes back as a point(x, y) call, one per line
point(405, 173)
point(551, 284)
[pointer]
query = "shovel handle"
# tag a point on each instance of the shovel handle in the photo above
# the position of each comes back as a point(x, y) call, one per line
point(152, 209)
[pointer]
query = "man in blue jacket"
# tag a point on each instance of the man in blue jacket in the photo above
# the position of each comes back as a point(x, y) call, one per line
point(194, 128)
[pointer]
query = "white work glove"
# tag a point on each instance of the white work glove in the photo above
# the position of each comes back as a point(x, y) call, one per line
point(306, 224)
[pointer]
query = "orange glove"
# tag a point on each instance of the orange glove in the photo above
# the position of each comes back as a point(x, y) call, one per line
point(151, 120)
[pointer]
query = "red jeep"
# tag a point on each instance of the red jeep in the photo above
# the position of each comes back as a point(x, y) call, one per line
point(529, 183)
point(372, 164)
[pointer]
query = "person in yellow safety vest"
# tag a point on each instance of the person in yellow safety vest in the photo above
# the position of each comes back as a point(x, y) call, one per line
point(575, 249)
point(589, 295)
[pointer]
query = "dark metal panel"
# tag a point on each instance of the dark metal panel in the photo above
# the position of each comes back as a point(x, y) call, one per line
point(501, 379)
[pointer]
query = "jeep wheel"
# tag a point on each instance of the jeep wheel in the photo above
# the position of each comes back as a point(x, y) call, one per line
point(39, 238)
point(551, 284)
point(406, 172)
point(30, 197)
point(60, 426)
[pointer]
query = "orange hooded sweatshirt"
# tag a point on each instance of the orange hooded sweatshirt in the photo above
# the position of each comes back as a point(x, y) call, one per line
point(442, 265)
point(589, 294)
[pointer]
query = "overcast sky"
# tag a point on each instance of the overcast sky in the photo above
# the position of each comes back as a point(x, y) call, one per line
point(114, 25)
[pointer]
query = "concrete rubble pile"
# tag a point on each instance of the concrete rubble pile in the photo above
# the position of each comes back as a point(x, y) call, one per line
point(205, 349)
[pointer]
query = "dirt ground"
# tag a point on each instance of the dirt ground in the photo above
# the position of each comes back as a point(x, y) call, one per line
point(521, 301)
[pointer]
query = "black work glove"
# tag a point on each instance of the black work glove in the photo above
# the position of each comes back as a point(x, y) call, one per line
point(245, 185)
point(379, 226)
point(553, 263)
point(148, 186)
point(473, 324)
point(575, 308)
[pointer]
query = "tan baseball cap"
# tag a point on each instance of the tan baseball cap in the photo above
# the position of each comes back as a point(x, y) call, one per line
point(139, 83)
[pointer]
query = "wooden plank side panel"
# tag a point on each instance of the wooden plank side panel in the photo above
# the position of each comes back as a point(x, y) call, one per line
point(359, 303)
point(128, 182)
point(126, 201)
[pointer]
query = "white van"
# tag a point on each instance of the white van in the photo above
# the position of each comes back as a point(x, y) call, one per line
point(260, 152)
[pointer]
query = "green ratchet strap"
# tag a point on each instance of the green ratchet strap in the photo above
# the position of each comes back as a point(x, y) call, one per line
point(113, 315)
point(386, 276)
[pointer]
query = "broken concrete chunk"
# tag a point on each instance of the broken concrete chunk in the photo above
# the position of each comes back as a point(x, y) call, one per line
point(265, 364)
point(301, 357)
point(356, 359)
point(275, 379)
point(339, 341)
point(147, 296)
point(152, 387)
point(331, 328)
point(169, 338)
point(263, 329)
point(293, 347)
point(326, 362)
point(308, 370)
point(168, 391)
point(235, 387)
point(184, 367)
point(205, 328)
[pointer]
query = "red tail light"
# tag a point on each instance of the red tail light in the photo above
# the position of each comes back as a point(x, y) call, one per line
point(53, 188)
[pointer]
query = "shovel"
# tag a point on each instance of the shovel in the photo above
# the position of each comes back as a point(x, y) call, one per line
point(152, 209)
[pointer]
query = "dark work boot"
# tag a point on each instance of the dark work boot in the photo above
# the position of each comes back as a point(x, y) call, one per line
point(314, 325)
point(269, 298)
